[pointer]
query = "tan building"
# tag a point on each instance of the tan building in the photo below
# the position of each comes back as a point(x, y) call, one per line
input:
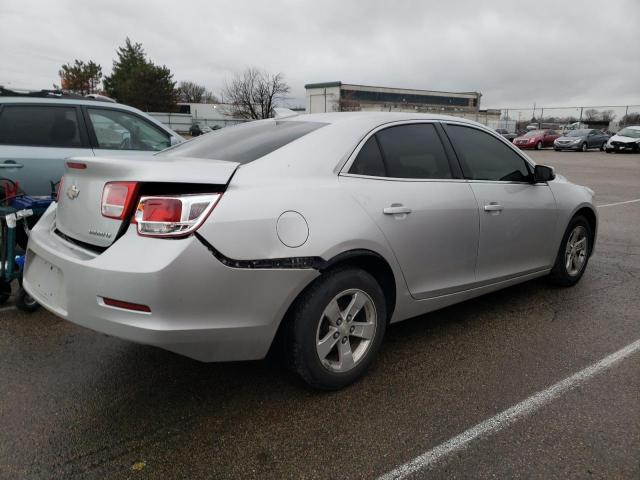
point(341, 97)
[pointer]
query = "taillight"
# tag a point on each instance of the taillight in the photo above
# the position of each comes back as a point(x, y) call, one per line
point(118, 198)
point(173, 216)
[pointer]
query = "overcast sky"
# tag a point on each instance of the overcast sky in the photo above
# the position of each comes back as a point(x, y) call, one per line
point(514, 52)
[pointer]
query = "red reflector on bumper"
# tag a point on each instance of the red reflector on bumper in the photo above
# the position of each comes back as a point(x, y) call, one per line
point(136, 307)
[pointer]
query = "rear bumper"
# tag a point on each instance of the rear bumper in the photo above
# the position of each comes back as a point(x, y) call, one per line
point(200, 308)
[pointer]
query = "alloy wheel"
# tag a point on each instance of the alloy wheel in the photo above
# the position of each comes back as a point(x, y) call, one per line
point(576, 250)
point(346, 330)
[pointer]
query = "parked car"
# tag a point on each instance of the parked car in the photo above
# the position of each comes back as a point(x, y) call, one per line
point(506, 134)
point(197, 129)
point(626, 140)
point(39, 130)
point(281, 229)
point(537, 139)
point(581, 140)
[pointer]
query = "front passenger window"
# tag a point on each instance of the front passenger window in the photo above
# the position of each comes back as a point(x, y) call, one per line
point(118, 130)
point(484, 157)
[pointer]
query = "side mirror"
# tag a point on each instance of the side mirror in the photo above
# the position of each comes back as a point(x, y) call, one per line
point(542, 173)
point(175, 140)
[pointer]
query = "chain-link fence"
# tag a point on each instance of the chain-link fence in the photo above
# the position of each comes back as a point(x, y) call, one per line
point(603, 117)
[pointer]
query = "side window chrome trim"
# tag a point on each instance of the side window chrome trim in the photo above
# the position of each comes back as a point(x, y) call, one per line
point(401, 179)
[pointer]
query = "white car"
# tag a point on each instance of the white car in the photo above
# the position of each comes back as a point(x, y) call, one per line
point(626, 140)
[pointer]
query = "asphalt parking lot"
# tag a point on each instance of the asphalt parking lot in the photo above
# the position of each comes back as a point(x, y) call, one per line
point(78, 404)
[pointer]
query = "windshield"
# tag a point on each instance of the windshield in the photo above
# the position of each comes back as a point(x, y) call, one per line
point(630, 132)
point(533, 133)
point(577, 133)
point(243, 143)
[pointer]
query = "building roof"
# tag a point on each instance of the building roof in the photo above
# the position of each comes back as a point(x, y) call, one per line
point(352, 86)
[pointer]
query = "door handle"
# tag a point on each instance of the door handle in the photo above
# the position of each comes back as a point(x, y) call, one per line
point(11, 164)
point(396, 209)
point(493, 207)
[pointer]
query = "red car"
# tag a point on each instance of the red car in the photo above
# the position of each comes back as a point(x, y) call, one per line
point(537, 139)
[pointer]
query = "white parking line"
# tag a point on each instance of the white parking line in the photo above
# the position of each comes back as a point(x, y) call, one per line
point(618, 203)
point(509, 416)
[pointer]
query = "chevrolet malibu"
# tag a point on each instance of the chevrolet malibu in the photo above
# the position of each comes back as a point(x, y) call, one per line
point(309, 232)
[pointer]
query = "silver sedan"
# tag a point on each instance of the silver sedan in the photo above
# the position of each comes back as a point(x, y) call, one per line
point(310, 233)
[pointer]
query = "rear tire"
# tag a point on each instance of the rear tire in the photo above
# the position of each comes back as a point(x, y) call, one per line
point(602, 149)
point(573, 254)
point(335, 328)
point(5, 291)
point(26, 302)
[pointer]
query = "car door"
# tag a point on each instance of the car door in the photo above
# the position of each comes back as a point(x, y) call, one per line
point(35, 140)
point(595, 139)
point(550, 137)
point(405, 180)
point(115, 132)
point(517, 217)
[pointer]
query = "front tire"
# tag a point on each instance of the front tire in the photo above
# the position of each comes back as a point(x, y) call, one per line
point(539, 146)
point(335, 328)
point(584, 147)
point(574, 252)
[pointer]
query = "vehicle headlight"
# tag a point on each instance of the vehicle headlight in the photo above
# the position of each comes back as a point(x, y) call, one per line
point(577, 140)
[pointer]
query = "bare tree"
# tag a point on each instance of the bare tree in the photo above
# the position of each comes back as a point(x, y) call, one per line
point(254, 93)
point(630, 119)
point(608, 115)
point(591, 114)
point(191, 92)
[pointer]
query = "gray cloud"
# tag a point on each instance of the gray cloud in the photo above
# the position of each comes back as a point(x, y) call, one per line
point(514, 52)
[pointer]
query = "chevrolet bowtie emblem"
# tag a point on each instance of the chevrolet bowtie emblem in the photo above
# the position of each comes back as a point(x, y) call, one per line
point(73, 192)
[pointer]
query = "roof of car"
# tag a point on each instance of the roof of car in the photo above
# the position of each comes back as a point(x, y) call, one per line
point(374, 118)
point(64, 101)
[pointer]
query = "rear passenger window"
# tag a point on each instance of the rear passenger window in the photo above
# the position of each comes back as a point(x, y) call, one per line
point(39, 126)
point(413, 151)
point(484, 157)
point(406, 151)
point(369, 160)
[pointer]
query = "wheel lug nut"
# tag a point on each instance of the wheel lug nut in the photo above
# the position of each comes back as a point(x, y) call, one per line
point(344, 340)
point(352, 329)
point(336, 335)
point(339, 321)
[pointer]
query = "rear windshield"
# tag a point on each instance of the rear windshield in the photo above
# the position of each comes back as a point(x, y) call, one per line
point(244, 143)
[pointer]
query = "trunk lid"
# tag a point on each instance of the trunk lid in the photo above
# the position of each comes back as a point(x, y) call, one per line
point(79, 214)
